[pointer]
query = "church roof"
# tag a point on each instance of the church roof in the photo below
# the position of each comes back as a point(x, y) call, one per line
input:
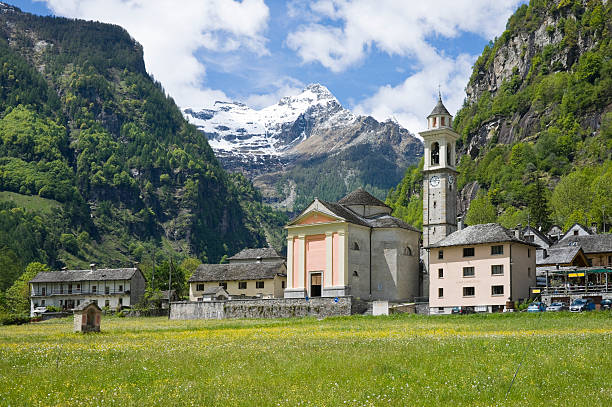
point(439, 109)
point(361, 197)
point(480, 234)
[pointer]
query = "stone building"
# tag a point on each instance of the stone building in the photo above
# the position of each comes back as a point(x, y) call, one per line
point(352, 247)
point(67, 289)
point(251, 273)
point(87, 317)
point(481, 267)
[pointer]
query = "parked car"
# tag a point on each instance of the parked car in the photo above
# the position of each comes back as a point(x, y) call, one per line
point(556, 307)
point(536, 307)
point(462, 310)
point(606, 304)
point(581, 304)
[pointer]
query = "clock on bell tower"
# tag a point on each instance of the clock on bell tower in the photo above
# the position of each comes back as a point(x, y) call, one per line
point(439, 176)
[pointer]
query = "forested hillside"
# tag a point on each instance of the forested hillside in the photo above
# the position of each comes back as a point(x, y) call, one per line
point(536, 126)
point(97, 163)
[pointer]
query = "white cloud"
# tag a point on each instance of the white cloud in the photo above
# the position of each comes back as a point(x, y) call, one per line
point(347, 30)
point(285, 86)
point(171, 33)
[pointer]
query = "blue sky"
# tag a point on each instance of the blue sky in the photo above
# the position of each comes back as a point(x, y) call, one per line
point(384, 58)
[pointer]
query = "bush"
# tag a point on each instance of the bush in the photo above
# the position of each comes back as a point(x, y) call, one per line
point(14, 319)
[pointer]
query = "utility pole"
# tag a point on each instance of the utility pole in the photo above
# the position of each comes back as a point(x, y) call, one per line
point(153, 272)
point(170, 285)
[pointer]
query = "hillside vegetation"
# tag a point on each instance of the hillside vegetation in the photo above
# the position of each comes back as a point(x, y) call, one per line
point(98, 164)
point(536, 126)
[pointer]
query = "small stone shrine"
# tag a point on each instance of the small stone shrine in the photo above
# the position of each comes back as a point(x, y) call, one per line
point(87, 317)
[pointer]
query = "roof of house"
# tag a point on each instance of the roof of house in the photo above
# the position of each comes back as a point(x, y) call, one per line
point(361, 197)
point(480, 234)
point(263, 252)
point(601, 243)
point(439, 109)
point(557, 255)
point(214, 290)
point(238, 271)
point(581, 226)
point(85, 305)
point(537, 233)
point(84, 275)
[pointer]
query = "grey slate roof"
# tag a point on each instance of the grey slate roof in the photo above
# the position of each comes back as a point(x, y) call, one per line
point(361, 197)
point(529, 229)
point(84, 275)
point(345, 213)
point(85, 305)
point(248, 254)
point(558, 255)
point(601, 243)
point(480, 234)
point(238, 271)
point(439, 109)
point(388, 221)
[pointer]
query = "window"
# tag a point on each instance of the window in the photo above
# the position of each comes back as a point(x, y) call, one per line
point(448, 153)
point(61, 289)
point(199, 287)
point(528, 271)
point(609, 259)
point(497, 290)
point(283, 285)
point(42, 302)
point(468, 272)
point(468, 252)
point(497, 269)
point(434, 121)
point(120, 288)
point(435, 204)
point(468, 291)
point(435, 152)
point(69, 288)
point(78, 302)
point(78, 286)
point(497, 249)
point(120, 302)
point(530, 238)
point(440, 292)
point(242, 285)
point(440, 254)
point(528, 252)
point(440, 273)
point(43, 291)
point(441, 121)
point(355, 246)
point(407, 251)
point(224, 285)
point(94, 288)
point(96, 302)
point(259, 284)
point(106, 303)
point(355, 273)
point(575, 233)
point(441, 310)
point(106, 290)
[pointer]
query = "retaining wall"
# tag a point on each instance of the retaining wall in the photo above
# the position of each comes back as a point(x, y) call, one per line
point(266, 308)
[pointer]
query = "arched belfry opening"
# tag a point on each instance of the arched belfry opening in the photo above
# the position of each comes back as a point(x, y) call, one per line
point(435, 154)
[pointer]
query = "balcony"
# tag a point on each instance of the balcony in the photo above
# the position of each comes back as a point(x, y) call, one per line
point(58, 292)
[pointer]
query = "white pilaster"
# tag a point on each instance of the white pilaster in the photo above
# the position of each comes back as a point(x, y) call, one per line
point(328, 259)
point(290, 255)
point(301, 261)
point(343, 260)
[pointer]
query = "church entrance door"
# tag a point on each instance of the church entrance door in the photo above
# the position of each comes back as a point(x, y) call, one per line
point(315, 284)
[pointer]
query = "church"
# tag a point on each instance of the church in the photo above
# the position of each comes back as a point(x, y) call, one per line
point(353, 247)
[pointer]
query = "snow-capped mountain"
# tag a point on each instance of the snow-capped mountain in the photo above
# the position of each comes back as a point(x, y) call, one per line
point(268, 144)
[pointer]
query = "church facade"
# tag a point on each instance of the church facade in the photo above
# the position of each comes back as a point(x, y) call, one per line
point(352, 247)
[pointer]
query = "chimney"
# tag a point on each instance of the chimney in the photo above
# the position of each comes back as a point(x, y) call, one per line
point(459, 222)
point(518, 232)
point(92, 266)
point(594, 228)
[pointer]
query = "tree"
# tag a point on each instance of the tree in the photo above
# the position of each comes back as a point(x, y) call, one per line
point(538, 205)
point(18, 295)
point(189, 265)
point(481, 210)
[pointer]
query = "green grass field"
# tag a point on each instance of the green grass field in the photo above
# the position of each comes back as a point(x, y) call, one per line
point(31, 202)
point(404, 360)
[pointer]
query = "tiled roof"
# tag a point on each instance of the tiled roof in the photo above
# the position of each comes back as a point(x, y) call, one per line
point(480, 234)
point(601, 243)
point(439, 109)
point(84, 275)
point(238, 271)
point(85, 305)
point(361, 197)
point(557, 255)
point(264, 253)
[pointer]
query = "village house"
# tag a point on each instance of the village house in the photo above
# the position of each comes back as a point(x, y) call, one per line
point(482, 267)
point(258, 273)
point(352, 247)
point(67, 289)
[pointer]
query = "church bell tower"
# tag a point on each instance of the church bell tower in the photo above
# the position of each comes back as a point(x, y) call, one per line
point(439, 176)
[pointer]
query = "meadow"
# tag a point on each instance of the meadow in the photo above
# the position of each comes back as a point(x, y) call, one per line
point(403, 360)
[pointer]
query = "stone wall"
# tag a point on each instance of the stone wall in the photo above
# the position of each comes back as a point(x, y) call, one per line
point(264, 308)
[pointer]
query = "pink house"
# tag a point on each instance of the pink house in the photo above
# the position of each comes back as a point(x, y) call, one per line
point(482, 267)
